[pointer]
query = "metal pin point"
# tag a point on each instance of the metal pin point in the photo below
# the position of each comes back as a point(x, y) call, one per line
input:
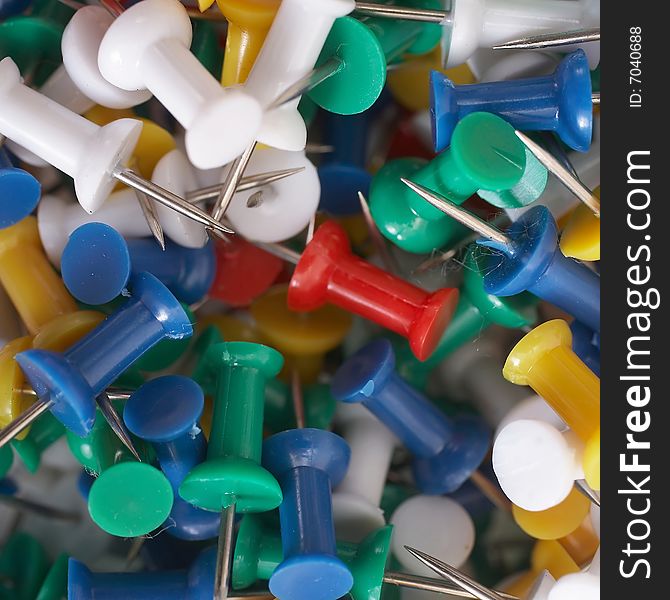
point(149, 212)
point(298, 399)
point(35, 411)
point(229, 186)
point(246, 183)
point(586, 490)
point(116, 423)
point(552, 40)
point(460, 214)
point(224, 553)
point(428, 584)
point(373, 9)
point(311, 226)
point(564, 176)
point(389, 261)
point(453, 574)
point(113, 393)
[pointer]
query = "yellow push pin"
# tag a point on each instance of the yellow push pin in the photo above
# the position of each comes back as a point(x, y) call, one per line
point(302, 337)
point(36, 291)
point(407, 80)
point(231, 328)
point(544, 360)
point(555, 522)
point(581, 236)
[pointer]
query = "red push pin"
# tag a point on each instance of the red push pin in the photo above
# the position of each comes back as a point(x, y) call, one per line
point(327, 271)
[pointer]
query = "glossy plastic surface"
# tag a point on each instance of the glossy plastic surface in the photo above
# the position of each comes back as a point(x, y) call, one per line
point(43, 432)
point(232, 473)
point(74, 378)
point(534, 263)
point(318, 402)
point(307, 463)
point(586, 345)
point(555, 522)
point(329, 272)
point(19, 192)
point(446, 451)
point(560, 102)
point(580, 238)
point(165, 411)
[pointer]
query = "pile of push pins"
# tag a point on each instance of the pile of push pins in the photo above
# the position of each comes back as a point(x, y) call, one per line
point(299, 299)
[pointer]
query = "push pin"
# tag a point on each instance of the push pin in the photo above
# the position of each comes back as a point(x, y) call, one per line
point(552, 40)
point(544, 359)
point(527, 258)
point(483, 158)
point(536, 465)
point(304, 339)
point(165, 411)
point(489, 24)
point(580, 238)
point(446, 451)
point(197, 582)
point(280, 415)
point(97, 262)
point(19, 190)
point(584, 585)
point(327, 271)
point(586, 345)
point(559, 102)
point(308, 463)
point(93, 156)
point(369, 46)
point(356, 499)
point(231, 479)
point(285, 44)
point(128, 498)
point(68, 383)
point(43, 433)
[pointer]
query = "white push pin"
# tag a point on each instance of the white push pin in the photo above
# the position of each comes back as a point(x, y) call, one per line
point(535, 408)
point(83, 150)
point(356, 500)
point(438, 524)
point(280, 210)
point(487, 65)
point(486, 23)
point(536, 465)
point(147, 48)
point(80, 43)
point(579, 586)
point(290, 50)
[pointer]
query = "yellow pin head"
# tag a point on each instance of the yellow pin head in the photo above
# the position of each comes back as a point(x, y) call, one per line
point(555, 522)
point(581, 236)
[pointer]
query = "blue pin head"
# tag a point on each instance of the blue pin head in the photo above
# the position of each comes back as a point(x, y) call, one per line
point(586, 345)
point(95, 264)
point(443, 109)
point(19, 190)
point(445, 472)
point(189, 523)
point(311, 577)
point(164, 408)
point(364, 373)
point(575, 107)
point(314, 448)
point(534, 237)
point(340, 184)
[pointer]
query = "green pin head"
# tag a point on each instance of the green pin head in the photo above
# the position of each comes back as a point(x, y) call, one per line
point(232, 473)
point(54, 586)
point(361, 78)
point(368, 564)
point(130, 499)
point(43, 432)
point(247, 552)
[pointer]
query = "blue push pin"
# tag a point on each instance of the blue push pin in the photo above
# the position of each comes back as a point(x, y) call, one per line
point(165, 412)
point(560, 102)
point(308, 463)
point(528, 259)
point(586, 345)
point(195, 584)
point(67, 383)
point(97, 261)
point(446, 451)
point(342, 173)
point(19, 190)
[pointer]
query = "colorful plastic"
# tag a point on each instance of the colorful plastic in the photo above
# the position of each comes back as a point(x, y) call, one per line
point(560, 102)
point(43, 432)
point(446, 451)
point(586, 345)
point(580, 238)
point(165, 411)
point(19, 192)
point(307, 463)
point(329, 272)
point(555, 522)
point(23, 566)
point(319, 406)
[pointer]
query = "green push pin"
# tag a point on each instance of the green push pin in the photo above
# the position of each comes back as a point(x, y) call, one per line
point(43, 432)
point(6, 459)
point(232, 479)
point(128, 498)
point(54, 586)
point(205, 46)
point(203, 374)
point(364, 48)
point(476, 311)
point(319, 406)
point(23, 566)
point(484, 154)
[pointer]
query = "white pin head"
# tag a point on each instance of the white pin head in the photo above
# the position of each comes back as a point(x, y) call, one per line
point(175, 173)
point(436, 524)
point(535, 464)
point(284, 208)
point(147, 47)
point(534, 408)
point(80, 44)
point(579, 586)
